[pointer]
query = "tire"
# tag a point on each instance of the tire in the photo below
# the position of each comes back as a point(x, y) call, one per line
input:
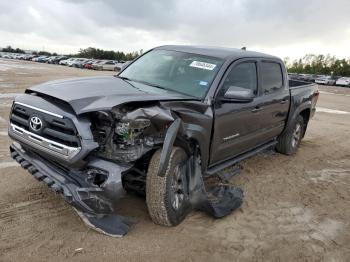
point(289, 142)
point(167, 202)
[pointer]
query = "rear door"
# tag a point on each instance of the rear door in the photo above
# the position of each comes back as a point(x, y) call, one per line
point(275, 98)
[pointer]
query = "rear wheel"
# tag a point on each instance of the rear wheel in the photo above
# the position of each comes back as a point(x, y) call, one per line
point(288, 143)
point(166, 199)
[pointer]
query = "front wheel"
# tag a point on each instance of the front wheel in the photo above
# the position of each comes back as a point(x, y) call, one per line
point(166, 196)
point(288, 143)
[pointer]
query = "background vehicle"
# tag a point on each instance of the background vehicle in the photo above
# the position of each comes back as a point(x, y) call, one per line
point(173, 116)
point(120, 66)
point(78, 63)
point(95, 65)
point(293, 76)
point(343, 81)
point(51, 58)
point(106, 65)
point(65, 61)
point(70, 62)
point(325, 80)
point(30, 57)
point(40, 59)
point(88, 64)
point(56, 59)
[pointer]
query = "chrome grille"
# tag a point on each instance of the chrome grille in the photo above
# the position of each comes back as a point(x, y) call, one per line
point(55, 127)
point(57, 135)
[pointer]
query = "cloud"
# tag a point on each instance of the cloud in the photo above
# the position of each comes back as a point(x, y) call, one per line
point(285, 28)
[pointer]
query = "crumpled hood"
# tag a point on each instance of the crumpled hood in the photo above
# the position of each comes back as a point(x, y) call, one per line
point(102, 93)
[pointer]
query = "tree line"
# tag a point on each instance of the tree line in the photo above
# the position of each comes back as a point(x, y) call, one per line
point(319, 64)
point(97, 53)
point(89, 52)
point(12, 50)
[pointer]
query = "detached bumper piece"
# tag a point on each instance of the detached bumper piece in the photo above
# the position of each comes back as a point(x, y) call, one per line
point(91, 203)
point(218, 201)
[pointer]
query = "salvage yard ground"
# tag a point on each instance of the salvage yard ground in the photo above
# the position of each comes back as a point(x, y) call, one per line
point(295, 208)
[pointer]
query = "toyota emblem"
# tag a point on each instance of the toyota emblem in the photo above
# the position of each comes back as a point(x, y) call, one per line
point(35, 123)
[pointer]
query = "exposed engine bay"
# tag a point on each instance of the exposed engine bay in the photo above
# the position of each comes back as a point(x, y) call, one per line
point(126, 134)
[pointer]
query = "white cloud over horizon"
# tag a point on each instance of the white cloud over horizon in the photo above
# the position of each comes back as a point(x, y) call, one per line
point(279, 27)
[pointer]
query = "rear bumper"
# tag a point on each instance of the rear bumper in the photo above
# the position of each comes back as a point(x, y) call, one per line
point(77, 187)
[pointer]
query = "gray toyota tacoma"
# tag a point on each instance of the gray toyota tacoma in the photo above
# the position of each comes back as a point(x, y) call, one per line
point(169, 120)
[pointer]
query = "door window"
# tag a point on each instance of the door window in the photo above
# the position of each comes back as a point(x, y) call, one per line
point(271, 77)
point(242, 76)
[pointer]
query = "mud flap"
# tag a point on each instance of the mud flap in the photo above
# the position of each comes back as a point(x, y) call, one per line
point(109, 224)
point(219, 201)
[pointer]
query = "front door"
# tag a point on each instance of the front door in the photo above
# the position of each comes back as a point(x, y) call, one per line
point(236, 125)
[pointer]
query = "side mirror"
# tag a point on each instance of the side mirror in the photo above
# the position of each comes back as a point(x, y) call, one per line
point(238, 94)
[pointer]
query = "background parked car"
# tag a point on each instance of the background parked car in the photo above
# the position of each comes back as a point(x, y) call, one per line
point(119, 66)
point(55, 59)
point(96, 64)
point(88, 64)
point(109, 65)
point(30, 57)
point(50, 60)
point(78, 62)
point(64, 61)
point(325, 80)
point(69, 61)
point(343, 81)
point(293, 76)
point(40, 59)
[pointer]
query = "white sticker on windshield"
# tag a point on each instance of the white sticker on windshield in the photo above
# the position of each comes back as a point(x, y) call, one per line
point(203, 65)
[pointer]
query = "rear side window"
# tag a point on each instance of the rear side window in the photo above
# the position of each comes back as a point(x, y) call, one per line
point(243, 76)
point(271, 77)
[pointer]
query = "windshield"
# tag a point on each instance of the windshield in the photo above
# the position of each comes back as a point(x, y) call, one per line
point(186, 73)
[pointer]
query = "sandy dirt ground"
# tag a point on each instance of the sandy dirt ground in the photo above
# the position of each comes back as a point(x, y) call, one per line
point(295, 209)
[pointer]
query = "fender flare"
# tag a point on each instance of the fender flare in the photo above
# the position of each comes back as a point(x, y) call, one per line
point(168, 146)
point(297, 111)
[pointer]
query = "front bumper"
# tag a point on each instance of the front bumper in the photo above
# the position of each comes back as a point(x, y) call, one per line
point(74, 185)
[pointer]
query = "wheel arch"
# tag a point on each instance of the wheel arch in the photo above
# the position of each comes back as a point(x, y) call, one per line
point(186, 136)
point(304, 108)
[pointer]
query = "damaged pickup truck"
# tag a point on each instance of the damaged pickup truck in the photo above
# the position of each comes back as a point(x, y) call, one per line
point(171, 118)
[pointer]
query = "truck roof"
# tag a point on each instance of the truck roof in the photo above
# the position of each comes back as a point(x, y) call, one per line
point(219, 52)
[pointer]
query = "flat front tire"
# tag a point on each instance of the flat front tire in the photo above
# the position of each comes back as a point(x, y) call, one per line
point(166, 199)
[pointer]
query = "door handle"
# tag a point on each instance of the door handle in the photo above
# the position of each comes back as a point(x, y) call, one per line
point(256, 109)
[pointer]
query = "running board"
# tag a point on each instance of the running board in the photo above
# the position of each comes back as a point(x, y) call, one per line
point(217, 168)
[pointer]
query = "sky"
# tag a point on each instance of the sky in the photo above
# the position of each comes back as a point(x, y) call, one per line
point(284, 28)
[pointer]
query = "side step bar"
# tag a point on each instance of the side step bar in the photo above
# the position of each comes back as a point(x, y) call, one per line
point(217, 168)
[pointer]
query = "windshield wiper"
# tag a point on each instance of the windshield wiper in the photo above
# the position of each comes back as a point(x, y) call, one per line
point(126, 80)
point(123, 77)
point(150, 84)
